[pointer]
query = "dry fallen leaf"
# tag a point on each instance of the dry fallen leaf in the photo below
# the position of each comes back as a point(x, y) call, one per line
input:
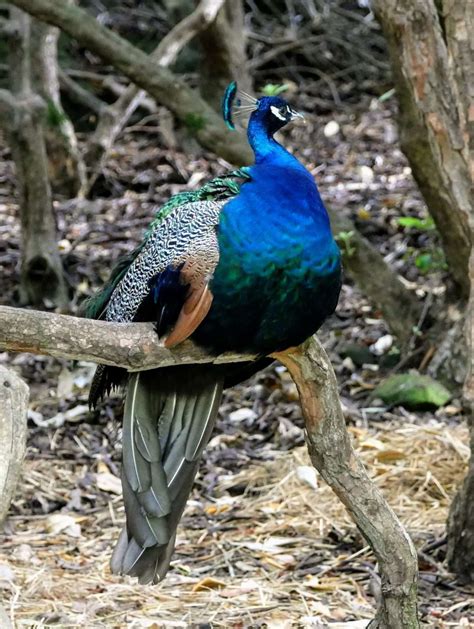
point(387, 456)
point(209, 583)
point(108, 482)
point(63, 523)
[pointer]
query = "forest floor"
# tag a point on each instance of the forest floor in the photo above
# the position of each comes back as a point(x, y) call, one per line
point(263, 541)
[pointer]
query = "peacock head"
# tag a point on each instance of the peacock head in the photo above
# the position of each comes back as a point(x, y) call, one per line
point(270, 112)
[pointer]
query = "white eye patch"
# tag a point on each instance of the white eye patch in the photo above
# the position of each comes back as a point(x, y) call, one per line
point(276, 112)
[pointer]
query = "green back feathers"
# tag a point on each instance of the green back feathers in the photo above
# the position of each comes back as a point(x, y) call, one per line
point(217, 189)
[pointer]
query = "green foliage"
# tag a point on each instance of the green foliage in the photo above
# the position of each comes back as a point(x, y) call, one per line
point(344, 240)
point(412, 222)
point(433, 260)
point(412, 390)
point(194, 122)
point(429, 258)
point(55, 117)
point(274, 89)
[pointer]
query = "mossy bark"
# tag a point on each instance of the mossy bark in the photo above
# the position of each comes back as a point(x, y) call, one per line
point(66, 169)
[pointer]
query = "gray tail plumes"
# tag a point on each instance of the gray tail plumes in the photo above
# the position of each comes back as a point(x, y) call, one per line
point(168, 419)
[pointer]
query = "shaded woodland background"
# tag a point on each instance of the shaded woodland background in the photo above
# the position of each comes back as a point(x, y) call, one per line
point(87, 157)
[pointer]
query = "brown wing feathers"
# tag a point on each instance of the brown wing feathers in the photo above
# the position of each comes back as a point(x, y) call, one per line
point(197, 305)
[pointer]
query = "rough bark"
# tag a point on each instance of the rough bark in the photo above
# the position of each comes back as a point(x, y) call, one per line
point(113, 118)
point(135, 346)
point(22, 116)
point(79, 94)
point(63, 336)
point(332, 455)
point(432, 50)
point(65, 166)
point(433, 114)
point(13, 412)
point(224, 58)
point(201, 120)
point(460, 525)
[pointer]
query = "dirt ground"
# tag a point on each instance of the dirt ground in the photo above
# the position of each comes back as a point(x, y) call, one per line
point(263, 542)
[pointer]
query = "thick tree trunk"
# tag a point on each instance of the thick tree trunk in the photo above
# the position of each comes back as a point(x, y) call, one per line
point(224, 58)
point(432, 49)
point(460, 524)
point(461, 516)
point(65, 166)
point(22, 116)
point(432, 117)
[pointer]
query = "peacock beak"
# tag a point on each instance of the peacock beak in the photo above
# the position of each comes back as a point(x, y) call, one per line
point(296, 114)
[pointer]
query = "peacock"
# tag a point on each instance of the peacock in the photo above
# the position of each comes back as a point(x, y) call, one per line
point(247, 263)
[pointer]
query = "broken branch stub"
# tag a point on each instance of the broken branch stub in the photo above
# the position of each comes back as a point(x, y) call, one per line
point(13, 413)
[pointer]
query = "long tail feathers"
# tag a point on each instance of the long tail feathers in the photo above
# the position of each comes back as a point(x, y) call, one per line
point(168, 419)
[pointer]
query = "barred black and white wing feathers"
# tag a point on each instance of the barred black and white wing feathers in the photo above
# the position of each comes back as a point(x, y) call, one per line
point(186, 237)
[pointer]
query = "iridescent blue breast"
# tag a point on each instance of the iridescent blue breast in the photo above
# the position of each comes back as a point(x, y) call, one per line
point(279, 274)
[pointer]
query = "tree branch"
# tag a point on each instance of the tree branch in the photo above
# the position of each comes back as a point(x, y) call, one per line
point(381, 285)
point(208, 127)
point(332, 455)
point(114, 117)
point(63, 336)
point(80, 94)
point(135, 346)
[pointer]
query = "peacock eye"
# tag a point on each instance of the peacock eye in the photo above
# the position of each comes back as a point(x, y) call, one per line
point(283, 110)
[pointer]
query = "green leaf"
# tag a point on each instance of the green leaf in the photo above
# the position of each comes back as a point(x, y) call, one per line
point(424, 262)
point(273, 89)
point(412, 222)
point(344, 240)
point(412, 390)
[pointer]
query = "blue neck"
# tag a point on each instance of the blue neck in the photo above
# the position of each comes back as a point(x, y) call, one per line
point(264, 146)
